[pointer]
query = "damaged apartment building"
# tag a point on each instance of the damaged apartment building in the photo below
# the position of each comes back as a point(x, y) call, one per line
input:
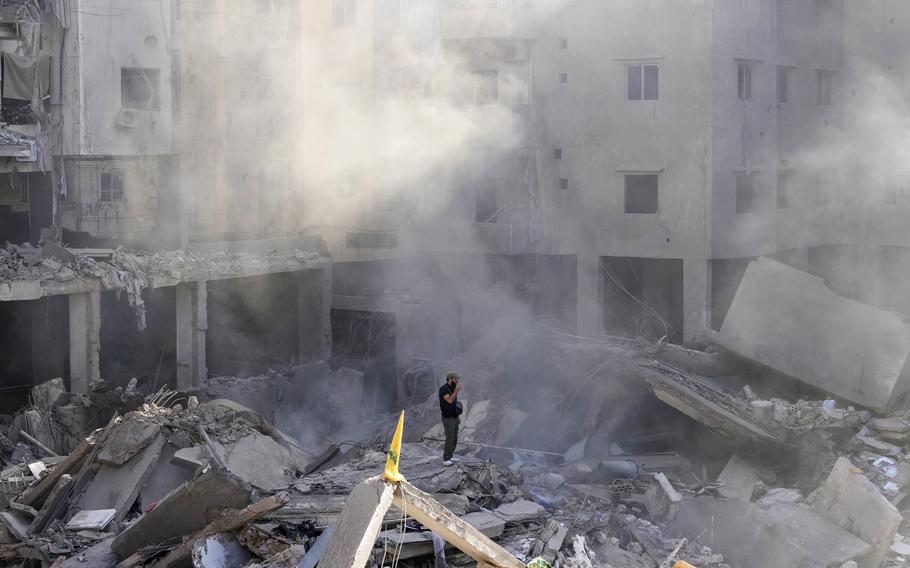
point(648, 168)
point(124, 128)
point(642, 173)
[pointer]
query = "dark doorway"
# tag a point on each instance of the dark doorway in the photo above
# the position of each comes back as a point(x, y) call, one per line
point(34, 342)
point(366, 341)
point(252, 324)
point(148, 355)
point(643, 297)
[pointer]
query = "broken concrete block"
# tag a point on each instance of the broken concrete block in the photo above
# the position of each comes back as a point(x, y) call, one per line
point(184, 511)
point(739, 480)
point(891, 429)
point(790, 321)
point(751, 537)
point(46, 394)
point(519, 511)
point(118, 487)
point(16, 523)
point(261, 461)
point(852, 502)
point(127, 439)
point(164, 478)
point(779, 495)
point(94, 520)
point(871, 443)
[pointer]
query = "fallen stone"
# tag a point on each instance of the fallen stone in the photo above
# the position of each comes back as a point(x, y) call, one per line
point(789, 320)
point(519, 511)
point(93, 520)
point(98, 555)
point(127, 439)
point(118, 487)
point(46, 394)
point(184, 511)
point(779, 495)
point(16, 523)
point(876, 445)
point(262, 462)
point(750, 537)
point(849, 500)
point(165, 477)
point(739, 480)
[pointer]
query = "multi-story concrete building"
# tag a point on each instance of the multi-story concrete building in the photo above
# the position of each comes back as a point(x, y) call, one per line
point(147, 124)
point(657, 148)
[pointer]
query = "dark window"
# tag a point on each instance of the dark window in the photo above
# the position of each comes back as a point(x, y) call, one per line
point(557, 153)
point(641, 193)
point(111, 186)
point(783, 84)
point(784, 191)
point(563, 77)
point(563, 43)
point(372, 240)
point(642, 82)
point(486, 87)
point(344, 13)
point(744, 81)
point(485, 205)
point(563, 183)
point(823, 87)
point(746, 196)
point(140, 88)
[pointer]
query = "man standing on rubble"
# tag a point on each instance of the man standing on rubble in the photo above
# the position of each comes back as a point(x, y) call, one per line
point(451, 410)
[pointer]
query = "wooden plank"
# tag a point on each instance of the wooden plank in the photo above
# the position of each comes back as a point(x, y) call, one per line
point(357, 529)
point(455, 531)
point(231, 521)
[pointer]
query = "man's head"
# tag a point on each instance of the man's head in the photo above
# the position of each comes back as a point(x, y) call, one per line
point(452, 378)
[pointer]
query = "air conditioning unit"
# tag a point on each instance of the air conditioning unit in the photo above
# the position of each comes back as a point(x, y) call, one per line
point(128, 118)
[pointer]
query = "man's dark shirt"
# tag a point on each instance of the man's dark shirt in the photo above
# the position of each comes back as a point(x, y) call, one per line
point(448, 409)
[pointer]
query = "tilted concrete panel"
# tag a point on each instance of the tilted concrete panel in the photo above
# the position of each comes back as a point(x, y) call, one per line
point(790, 321)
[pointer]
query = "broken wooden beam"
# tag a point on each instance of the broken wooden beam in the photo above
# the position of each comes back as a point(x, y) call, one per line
point(422, 507)
point(39, 492)
point(357, 528)
point(229, 522)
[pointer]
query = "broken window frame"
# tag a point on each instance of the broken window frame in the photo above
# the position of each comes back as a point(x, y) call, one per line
point(630, 188)
point(824, 79)
point(745, 74)
point(637, 78)
point(113, 193)
point(136, 77)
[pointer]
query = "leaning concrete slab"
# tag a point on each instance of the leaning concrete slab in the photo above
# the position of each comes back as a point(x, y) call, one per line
point(183, 511)
point(849, 500)
point(738, 479)
point(751, 537)
point(118, 487)
point(790, 321)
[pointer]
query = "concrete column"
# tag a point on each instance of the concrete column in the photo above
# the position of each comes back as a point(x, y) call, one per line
point(590, 302)
point(192, 323)
point(314, 314)
point(695, 298)
point(85, 340)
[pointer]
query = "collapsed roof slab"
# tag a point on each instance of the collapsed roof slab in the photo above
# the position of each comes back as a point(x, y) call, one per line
point(790, 321)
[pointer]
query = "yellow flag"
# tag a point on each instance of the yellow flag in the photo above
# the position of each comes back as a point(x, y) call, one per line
point(391, 464)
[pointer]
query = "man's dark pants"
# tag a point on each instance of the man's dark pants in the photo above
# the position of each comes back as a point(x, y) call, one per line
point(450, 425)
